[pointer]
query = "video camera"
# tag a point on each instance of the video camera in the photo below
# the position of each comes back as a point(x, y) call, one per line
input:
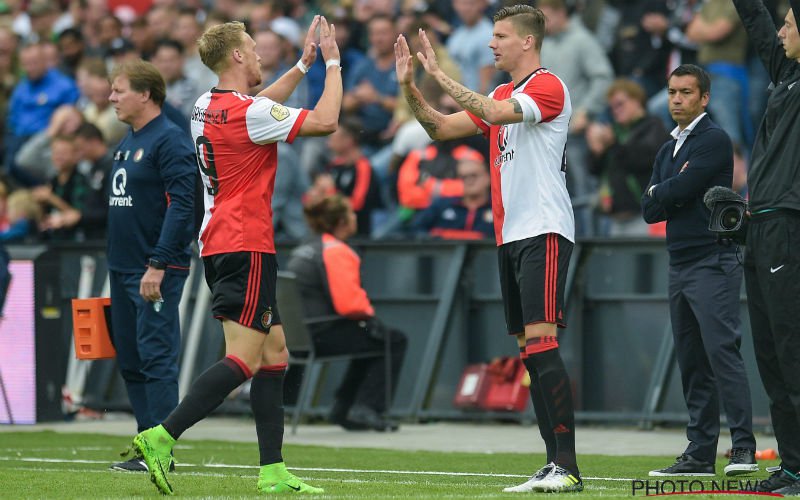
point(728, 219)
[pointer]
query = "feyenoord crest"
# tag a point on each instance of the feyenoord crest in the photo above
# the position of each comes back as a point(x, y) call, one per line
point(279, 112)
point(502, 138)
point(266, 318)
point(137, 156)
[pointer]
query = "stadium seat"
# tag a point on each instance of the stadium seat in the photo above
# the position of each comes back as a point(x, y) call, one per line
point(301, 348)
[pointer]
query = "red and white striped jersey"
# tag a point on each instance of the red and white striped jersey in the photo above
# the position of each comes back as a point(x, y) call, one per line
point(234, 137)
point(528, 161)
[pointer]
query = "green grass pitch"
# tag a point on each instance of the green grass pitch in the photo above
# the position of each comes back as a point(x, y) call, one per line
point(49, 465)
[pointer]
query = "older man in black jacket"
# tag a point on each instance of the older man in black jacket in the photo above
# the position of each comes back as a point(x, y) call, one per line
point(772, 262)
point(704, 280)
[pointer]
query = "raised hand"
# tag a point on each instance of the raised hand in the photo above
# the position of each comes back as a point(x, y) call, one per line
point(327, 40)
point(402, 61)
point(310, 45)
point(428, 59)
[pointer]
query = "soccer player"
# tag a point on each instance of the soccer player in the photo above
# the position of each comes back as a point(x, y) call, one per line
point(235, 136)
point(526, 122)
point(150, 232)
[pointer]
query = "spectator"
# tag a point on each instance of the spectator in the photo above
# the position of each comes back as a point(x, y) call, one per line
point(722, 51)
point(98, 160)
point(468, 217)
point(71, 49)
point(570, 51)
point(187, 30)
point(371, 89)
point(97, 110)
point(622, 156)
point(24, 214)
point(423, 80)
point(35, 157)
point(350, 174)
point(168, 59)
point(329, 280)
point(429, 174)
point(142, 38)
point(64, 199)
point(271, 49)
point(33, 102)
point(291, 183)
point(641, 48)
point(108, 28)
point(467, 45)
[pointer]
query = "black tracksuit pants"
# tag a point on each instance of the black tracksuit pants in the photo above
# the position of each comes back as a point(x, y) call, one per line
point(772, 278)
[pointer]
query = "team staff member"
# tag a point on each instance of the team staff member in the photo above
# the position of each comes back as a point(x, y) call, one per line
point(150, 213)
point(329, 279)
point(772, 262)
point(704, 280)
point(526, 122)
point(235, 138)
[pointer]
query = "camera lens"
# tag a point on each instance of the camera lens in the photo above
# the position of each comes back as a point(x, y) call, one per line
point(730, 218)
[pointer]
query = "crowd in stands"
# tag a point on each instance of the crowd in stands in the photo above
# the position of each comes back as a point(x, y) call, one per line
point(59, 136)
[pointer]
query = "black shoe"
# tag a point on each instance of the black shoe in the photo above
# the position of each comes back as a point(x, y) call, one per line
point(685, 465)
point(136, 465)
point(366, 416)
point(792, 490)
point(338, 416)
point(778, 480)
point(743, 461)
point(132, 465)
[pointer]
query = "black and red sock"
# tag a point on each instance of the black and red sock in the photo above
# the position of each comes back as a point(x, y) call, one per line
point(207, 392)
point(266, 400)
point(554, 386)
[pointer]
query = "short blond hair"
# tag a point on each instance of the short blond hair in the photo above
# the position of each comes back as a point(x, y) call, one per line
point(216, 44)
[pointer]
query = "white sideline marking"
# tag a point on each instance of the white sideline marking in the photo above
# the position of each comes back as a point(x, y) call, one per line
point(308, 469)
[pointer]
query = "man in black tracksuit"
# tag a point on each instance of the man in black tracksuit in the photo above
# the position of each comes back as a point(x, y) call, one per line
point(772, 260)
point(704, 281)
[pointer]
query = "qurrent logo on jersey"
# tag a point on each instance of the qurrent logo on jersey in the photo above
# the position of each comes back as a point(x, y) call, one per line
point(118, 184)
point(502, 144)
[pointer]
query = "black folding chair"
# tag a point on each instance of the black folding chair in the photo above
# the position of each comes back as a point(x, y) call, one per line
point(301, 348)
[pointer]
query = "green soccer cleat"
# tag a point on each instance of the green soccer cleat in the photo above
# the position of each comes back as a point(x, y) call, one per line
point(274, 478)
point(155, 446)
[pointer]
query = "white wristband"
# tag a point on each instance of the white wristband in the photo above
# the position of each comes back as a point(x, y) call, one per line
point(302, 67)
point(333, 62)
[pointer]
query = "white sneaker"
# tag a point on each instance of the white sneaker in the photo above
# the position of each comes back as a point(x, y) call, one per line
point(559, 480)
point(527, 486)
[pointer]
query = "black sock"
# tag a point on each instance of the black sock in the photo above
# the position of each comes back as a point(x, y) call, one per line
point(266, 400)
point(542, 417)
point(207, 392)
point(556, 393)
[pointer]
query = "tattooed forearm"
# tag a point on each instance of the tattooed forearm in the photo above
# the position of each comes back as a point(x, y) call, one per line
point(517, 105)
point(474, 102)
point(424, 113)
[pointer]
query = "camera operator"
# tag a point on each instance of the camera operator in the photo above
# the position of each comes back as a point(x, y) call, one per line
point(772, 262)
point(704, 280)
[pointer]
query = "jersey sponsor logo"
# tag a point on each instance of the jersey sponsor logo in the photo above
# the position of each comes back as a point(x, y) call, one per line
point(138, 155)
point(118, 184)
point(502, 144)
point(279, 112)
